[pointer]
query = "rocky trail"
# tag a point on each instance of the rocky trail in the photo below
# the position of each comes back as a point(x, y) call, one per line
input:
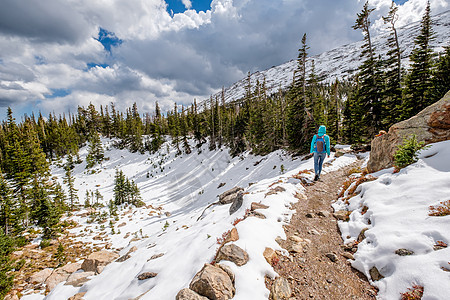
point(318, 266)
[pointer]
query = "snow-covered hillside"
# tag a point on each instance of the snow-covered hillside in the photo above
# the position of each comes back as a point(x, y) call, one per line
point(344, 61)
point(178, 190)
point(404, 241)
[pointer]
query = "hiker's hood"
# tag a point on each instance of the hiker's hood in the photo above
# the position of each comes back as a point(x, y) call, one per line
point(322, 130)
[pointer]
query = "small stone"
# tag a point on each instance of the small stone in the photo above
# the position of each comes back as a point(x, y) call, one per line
point(342, 215)
point(78, 296)
point(404, 252)
point(313, 232)
point(213, 282)
point(375, 275)
point(156, 256)
point(147, 275)
point(309, 215)
point(362, 235)
point(280, 289)
point(296, 239)
point(227, 270)
point(348, 255)
point(329, 280)
point(256, 205)
point(295, 248)
point(270, 255)
point(279, 240)
point(233, 253)
point(187, 294)
point(324, 214)
point(333, 257)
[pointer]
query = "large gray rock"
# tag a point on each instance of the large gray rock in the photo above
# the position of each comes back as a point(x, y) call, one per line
point(237, 203)
point(98, 260)
point(233, 253)
point(229, 196)
point(213, 283)
point(187, 294)
point(431, 125)
point(78, 279)
point(57, 277)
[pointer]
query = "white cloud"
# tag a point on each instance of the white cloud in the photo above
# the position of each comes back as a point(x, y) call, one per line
point(187, 4)
point(163, 58)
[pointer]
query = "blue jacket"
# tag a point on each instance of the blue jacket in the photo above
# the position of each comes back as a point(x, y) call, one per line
point(322, 131)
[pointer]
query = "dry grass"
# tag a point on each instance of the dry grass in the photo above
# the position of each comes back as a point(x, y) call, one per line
point(414, 293)
point(442, 209)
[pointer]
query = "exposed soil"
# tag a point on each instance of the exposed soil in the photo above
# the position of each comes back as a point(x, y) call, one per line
point(311, 274)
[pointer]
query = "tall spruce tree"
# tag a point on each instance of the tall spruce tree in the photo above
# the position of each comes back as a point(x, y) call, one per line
point(392, 93)
point(418, 89)
point(95, 153)
point(441, 79)
point(368, 97)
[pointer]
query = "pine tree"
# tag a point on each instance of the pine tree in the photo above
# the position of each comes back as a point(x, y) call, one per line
point(368, 97)
point(392, 93)
point(418, 90)
point(6, 279)
point(8, 208)
point(119, 188)
point(95, 152)
point(70, 181)
point(441, 79)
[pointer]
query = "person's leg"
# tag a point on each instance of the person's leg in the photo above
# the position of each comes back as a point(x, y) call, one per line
point(316, 165)
point(321, 158)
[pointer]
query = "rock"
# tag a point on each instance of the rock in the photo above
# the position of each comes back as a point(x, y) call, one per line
point(187, 294)
point(309, 215)
point(295, 248)
point(275, 190)
point(156, 256)
point(431, 125)
point(342, 215)
point(12, 296)
point(78, 279)
point(71, 267)
point(147, 275)
point(213, 283)
point(227, 270)
point(404, 252)
point(338, 154)
point(324, 214)
point(56, 278)
point(233, 253)
point(128, 255)
point(333, 257)
point(348, 255)
point(350, 246)
point(237, 203)
point(122, 224)
point(256, 214)
point(230, 195)
point(97, 260)
point(279, 240)
point(78, 296)
point(40, 276)
point(233, 236)
point(375, 275)
point(221, 185)
point(280, 289)
point(256, 205)
point(362, 235)
point(270, 255)
point(313, 232)
point(296, 239)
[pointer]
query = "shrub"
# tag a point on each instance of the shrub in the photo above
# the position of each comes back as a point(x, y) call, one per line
point(408, 152)
point(414, 293)
point(443, 209)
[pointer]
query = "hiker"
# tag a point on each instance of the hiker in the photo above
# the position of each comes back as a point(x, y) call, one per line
point(320, 146)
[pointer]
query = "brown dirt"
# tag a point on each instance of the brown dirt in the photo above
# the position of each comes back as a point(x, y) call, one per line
point(311, 274)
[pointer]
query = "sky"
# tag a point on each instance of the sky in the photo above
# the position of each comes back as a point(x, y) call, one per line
point(56, 55)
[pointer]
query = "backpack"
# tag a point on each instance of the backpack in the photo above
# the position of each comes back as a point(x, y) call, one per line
point(320, 143)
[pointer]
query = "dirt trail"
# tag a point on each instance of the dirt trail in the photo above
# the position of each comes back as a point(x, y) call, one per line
point(311, 274)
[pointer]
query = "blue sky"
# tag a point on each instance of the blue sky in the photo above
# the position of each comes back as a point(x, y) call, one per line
point(127, 51)
point(177, 6)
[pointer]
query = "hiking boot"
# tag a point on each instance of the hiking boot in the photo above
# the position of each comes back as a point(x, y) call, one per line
point(316, 177)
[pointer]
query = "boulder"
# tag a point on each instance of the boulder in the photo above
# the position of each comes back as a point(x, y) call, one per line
point(431, 125)
point(375, 275)
point(362, 235)
point(187, 294)
point(40, 276)
point(256, 205)
point(404, 252)
point(229, 196)
point(280, 289)
point(227, 270)
point(57, 277)
point(270, 255)
point(96, 261)
point(342, 215)
point(213, 283)
point(71, 267)
point(78, 279)
point(147, 275)
point(237, 203)
point(233, 253)
point(78, 296)
point(233, 236)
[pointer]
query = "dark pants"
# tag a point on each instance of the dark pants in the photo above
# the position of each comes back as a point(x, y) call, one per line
point(318, 161)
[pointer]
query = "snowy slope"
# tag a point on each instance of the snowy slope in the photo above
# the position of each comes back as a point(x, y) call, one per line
point(189, 183)
point(398, 218)
point(344, 61)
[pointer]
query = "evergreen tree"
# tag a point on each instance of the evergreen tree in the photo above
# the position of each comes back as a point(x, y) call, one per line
point(6, 279)
point(119, 188)
point(392, 93)
point(441, 79)
point(368, 97)
point(418, 89)
point(95, 152)
point(8, 208)
point(70, 181)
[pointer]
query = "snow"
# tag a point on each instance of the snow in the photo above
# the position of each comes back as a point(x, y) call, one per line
point(175, 221)
point(398, 208)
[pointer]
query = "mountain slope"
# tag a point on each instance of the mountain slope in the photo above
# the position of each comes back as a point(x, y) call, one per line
point(344, 61)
